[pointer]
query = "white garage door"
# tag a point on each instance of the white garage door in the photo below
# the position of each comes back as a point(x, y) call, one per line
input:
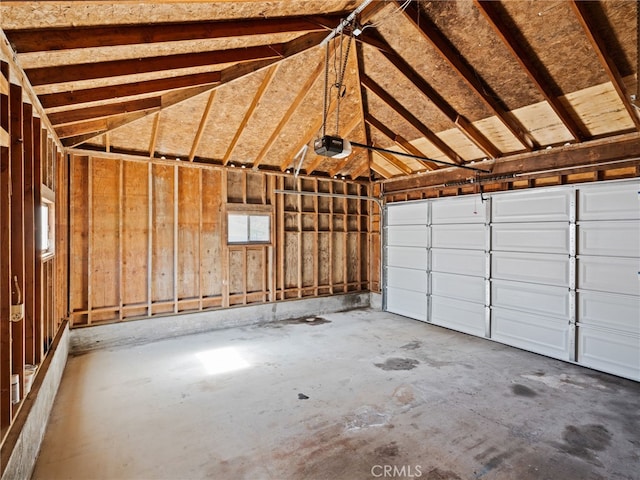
point(407, 259)
point(555, 271)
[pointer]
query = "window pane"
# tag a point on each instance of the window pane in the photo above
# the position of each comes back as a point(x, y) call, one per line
point(238, 228)
point(44, 228)
point(259, 228)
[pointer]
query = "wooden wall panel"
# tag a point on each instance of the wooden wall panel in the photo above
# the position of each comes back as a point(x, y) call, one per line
point(135, 233)
point(162, 273)
point(104, 225)
point(189, 206)
point(169, 252)
point(211, 236)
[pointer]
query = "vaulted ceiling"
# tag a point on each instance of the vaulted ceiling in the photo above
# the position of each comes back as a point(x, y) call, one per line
point(244, 83)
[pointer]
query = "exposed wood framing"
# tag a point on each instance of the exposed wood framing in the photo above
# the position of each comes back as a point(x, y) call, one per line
point(154, 134)
point(398, 140)
point(271, 71)
point(110, 110)
point(431, 33)
point(542, 80)
point(201, 126)
point(599, 47)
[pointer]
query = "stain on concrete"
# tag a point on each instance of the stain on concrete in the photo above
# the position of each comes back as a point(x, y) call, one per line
point(440, 363)
point(583, 441)
point(404, 395)
point(366, 417)
point(398, 364)
point(438, 474)
point(523, 390)
point(494, 462)
point(312, 321)
point(390, 450)
point(412, 345)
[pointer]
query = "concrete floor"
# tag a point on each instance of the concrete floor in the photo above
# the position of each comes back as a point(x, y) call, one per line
point(388, 397)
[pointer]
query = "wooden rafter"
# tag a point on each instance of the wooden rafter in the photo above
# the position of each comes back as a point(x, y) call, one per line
point(390, 159)
point(63, 38)
point(109, 110)
point(202, 125)
point(364, 167)
point(446, 49)
point(229, 74)
point(249, 113)
point(302, 93)
point(114, 68)
point(458, 120)
point(410, 118)
point(399, 141)
point(598, 44)
point(541, 79)
point(113, 92)
point(351, 126)
point(154, 135)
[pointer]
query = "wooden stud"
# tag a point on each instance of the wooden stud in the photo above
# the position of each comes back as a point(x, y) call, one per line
point(175, 238)
point(38, 133)
point(30, 207)
point(120, 236)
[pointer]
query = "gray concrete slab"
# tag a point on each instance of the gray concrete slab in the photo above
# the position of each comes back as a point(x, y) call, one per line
point(356, 395)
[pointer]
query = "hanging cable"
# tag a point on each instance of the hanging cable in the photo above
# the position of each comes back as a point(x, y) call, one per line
point(339, 83)
point(326, 91)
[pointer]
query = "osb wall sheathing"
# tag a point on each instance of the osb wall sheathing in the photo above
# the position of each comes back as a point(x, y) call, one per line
point(148, 238)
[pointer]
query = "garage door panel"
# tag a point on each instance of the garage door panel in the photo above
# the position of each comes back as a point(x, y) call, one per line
point(464, 262)
point(609, 351)
point(531, 267)
point(408, 213)
point(616, 239)
point(528, 297)
point(462, 287)
point(467, 236)
point(408, 236)
point(532, 206)
point(407, 257)
point(620, 312)
point(470, 209)
point(410, 304)
point(609, 274)
point(458, 315)
point(408, 279)
point(536, 333)
point(619, 201)
point(543, 237)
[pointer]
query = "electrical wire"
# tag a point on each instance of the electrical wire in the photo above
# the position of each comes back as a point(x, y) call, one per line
point(401, 8)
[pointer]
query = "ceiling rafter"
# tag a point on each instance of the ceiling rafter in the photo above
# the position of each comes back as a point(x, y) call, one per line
point(302, 93)
point(154, 134)
point(350, 127)
point(249, 113)
point(395, 162)
point(114, 92)
point(528, 61)
point(201, 126)
point(65, 38)
point(410, 118)
point(446, 49)
point(362, 169)
point(398, 140)
point(114, 68)
point(380, 170)
point(361, 97)
point(458, 120)
point(109, 110)
point(598, 44)
point(229, 74)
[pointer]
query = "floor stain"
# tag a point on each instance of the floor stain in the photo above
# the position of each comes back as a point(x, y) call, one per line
point(523, 390)
point(582, 441)
point(412, 345)
point(390, 450)
point(312, 321)
point(398, 364)
point(404, 395)
point(437, 474)
point(493, 462)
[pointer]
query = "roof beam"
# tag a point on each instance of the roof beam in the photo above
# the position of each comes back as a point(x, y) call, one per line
point(351, 126)
point(249, 113)
point(410, 118)
point(380, 170)
point(458, 120)
point(395, 162)
point(528, 61)
point(581, 10)
point(154, 135)
point(110, 110)
point(64, 38)
point(399, 141)
point(202, 125)
point(111, 92)
point(446, 49)
point(114, 68)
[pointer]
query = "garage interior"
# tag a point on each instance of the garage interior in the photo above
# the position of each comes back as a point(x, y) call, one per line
point(319, 239)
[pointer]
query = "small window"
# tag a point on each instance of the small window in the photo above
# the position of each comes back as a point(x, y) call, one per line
point(248, 228)
point(46, 242)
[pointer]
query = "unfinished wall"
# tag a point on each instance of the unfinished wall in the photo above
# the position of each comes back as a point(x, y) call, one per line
point(32, 173)
point(150, 238)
